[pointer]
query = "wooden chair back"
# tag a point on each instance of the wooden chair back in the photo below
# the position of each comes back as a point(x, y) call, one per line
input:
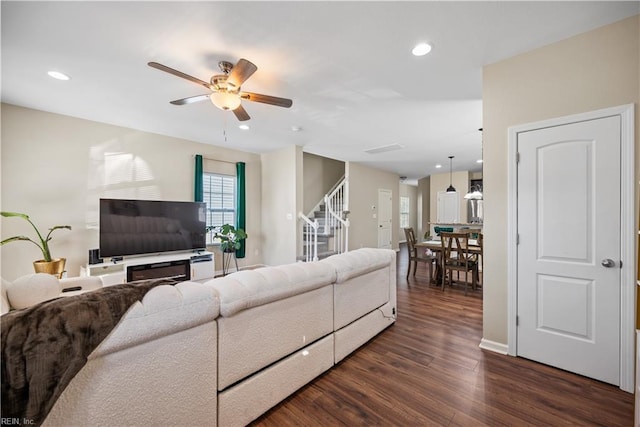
point(455, 248)
point(410, 235)
point(456, 256)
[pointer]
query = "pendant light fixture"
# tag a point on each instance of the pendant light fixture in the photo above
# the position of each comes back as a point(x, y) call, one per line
point(451, 188)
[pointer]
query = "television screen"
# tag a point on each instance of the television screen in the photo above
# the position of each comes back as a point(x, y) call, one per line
point(134, 227)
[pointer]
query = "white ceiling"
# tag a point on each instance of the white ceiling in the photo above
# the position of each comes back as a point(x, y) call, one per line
point(347, 66)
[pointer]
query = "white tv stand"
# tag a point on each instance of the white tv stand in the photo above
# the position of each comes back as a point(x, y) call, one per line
point(192, 266)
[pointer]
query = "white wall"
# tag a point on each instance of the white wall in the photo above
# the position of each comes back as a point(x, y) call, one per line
point(364, 183)
point(594, 70)
point(281, 202)
point(55, 168)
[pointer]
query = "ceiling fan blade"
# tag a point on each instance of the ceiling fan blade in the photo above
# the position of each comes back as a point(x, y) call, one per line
point(241, 113)
point(241, 72)
point(267, 99)
point(178, 73)
point(190, 100)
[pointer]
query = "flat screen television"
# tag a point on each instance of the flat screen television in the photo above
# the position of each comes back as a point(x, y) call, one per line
point(136, 227)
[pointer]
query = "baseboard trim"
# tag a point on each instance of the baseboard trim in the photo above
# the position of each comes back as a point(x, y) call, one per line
point(496, 347)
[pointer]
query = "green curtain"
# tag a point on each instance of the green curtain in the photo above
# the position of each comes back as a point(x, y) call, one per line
point(198, 187)
point(240, 205)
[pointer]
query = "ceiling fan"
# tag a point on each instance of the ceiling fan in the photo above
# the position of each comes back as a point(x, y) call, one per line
point(225, 88)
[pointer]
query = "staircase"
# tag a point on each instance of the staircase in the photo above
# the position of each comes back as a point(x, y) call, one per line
point(324, 239)
point(326, 228)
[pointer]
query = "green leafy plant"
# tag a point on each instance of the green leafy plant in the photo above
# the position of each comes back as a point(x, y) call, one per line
point(42, 242)
point(230, 238)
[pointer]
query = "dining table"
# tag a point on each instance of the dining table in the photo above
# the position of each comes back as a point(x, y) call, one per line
point(435, 246)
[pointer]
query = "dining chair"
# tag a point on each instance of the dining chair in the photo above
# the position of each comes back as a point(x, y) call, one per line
point(457, 257)
point(415, 255)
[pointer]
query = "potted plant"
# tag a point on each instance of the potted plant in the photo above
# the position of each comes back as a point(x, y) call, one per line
point(230, 238)
point(46, 264)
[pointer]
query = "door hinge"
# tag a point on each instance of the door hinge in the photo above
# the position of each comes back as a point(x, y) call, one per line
point(518, 157)
point(517, 320)
point(518, 239)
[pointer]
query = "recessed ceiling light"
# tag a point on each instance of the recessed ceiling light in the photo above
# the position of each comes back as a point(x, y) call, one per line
point(296, 128)
point(421, 49)
point(58, 75)
point(479, 161)
point(438, 166)
point(244, 127)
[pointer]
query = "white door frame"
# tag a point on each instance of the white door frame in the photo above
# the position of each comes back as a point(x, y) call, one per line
point(627, 232)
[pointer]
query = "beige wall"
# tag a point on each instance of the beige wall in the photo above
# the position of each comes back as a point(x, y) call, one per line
point(440, 182)
point(410, 191)
point(56, 168)
point(320, 175)
point(364, 183)
point(594, 70)
point(281, 202)
point(424, 205)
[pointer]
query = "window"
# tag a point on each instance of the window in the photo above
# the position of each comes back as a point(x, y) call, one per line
point(404, 212)
point(219, 194)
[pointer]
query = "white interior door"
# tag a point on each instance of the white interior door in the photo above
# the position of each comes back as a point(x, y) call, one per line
point(384, 218)
point(568, 260)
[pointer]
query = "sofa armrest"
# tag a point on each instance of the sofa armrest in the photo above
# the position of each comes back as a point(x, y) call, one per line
point(358, 262)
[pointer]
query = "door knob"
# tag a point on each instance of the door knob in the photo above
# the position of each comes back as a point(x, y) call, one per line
point(608, 263)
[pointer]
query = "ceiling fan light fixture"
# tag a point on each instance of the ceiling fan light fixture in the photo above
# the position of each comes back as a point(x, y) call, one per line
point(225, 100)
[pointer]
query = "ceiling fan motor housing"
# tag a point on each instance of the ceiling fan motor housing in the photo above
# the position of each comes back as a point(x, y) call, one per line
point(225, 66)
point(225, 88)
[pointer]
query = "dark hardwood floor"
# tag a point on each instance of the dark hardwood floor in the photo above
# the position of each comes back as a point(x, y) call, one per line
point(428, 370)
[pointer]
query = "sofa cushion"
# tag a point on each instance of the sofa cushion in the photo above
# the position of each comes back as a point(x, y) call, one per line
point(32, 289)
point(163, 311)
point(358, 262)
point(245, 289)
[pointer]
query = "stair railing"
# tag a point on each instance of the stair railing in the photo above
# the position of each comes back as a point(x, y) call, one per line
point(318, 205)
point(336, 212)
point(309, 248)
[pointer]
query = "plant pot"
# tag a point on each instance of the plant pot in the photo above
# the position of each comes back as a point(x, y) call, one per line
point(55, 267)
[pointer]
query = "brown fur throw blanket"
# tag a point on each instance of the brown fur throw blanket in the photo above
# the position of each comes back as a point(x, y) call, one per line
point(45, 346)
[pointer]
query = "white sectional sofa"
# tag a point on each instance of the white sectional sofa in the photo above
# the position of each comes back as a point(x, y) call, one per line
point(225, 351)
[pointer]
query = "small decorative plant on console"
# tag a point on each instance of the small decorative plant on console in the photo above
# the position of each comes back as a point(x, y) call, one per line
point(230, 238)
point(46, 264)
